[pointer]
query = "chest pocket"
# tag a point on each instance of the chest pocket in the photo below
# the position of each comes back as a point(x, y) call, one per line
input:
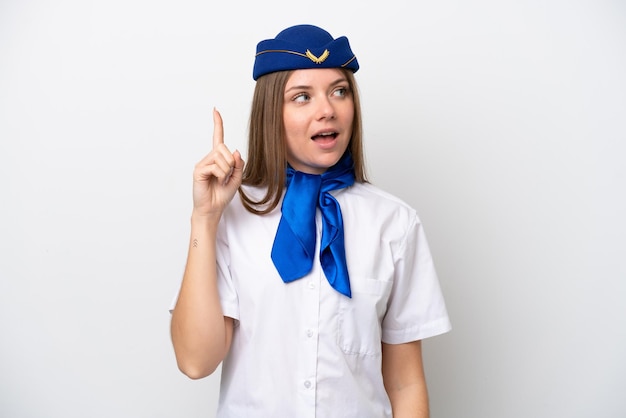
point(360, 317)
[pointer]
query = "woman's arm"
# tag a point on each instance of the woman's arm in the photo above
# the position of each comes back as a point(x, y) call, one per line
point(201, 335)
point(405, 383)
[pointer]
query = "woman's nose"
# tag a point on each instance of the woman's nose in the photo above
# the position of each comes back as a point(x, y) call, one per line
point(326, 109)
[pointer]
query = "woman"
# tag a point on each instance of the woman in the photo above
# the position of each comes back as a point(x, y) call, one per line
point(312, 286)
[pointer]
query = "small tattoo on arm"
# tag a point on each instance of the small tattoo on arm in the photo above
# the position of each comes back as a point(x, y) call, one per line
point(195, 242)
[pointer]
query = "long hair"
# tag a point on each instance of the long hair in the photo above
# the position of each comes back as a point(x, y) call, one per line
point(267, 155)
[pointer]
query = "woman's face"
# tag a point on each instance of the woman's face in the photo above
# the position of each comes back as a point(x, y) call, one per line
point(318, 112)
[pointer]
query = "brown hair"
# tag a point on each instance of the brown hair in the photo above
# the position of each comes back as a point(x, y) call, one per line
point(267, 156)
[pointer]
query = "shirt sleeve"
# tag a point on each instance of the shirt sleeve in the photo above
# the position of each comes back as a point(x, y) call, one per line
point(416, 308)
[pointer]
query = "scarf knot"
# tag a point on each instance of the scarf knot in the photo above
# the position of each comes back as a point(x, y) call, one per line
point(294, 243)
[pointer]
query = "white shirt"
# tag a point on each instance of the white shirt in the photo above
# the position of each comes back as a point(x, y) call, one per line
point(303, 349)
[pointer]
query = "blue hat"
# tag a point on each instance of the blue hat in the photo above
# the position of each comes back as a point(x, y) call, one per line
point(301, 47)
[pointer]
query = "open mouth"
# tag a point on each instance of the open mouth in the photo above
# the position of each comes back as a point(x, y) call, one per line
point(325, 135)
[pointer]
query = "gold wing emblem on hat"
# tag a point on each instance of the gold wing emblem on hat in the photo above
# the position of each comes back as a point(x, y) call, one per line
point(320, 59)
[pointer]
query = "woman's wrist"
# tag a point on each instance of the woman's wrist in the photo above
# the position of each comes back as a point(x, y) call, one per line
point(205, 220)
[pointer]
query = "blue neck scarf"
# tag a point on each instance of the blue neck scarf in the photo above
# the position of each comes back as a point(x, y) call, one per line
point(294, 244)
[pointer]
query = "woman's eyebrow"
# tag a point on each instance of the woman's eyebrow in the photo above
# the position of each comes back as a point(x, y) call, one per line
point(307, 87)
point(301, 87)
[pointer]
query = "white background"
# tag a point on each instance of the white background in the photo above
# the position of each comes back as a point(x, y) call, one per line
point(502, 122)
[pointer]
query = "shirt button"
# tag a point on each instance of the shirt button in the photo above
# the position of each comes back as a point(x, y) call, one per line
point(309, 333)
point(311, 285)
point(307, 384)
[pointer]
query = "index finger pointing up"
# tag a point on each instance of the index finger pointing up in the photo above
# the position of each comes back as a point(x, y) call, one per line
point(218, 128)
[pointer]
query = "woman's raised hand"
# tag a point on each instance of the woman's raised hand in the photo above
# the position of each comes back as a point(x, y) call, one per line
point(217, 176)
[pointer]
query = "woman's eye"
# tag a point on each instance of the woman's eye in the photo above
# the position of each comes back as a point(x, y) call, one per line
point(302, 97)
point(341, 92)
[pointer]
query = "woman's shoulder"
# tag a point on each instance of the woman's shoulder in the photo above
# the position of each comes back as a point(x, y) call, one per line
point(236, 207)
point(368, 198)
point(369, 190)
point(376, 195)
